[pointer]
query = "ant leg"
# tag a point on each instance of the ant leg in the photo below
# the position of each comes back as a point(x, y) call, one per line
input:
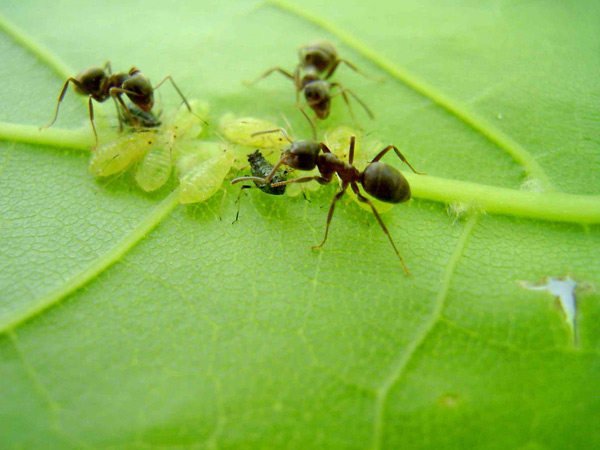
point(318, 178)
point(353, 67)
point(107, 67)
point(277, 130)
point(330, 215)
point(115, 93)
point(400, 155)
point(312, 124)
point(343, 91)
point(351, 152)
point(169, 77)
point(91, 108)
point(62, 95)
point(383, 227)
point(282, 160)
point(284, 72)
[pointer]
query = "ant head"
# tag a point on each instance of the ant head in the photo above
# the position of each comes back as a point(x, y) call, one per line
point(317, 97)
point(302, 155)
point(92, 80)
point(385, 183)
point(318, 54)
point(140, 89)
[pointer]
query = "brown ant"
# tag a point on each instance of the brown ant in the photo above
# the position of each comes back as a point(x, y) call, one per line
point(380, 180)
point(100, 83)
point(318, 62)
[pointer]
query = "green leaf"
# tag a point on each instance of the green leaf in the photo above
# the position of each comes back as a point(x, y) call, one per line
point(130, 321)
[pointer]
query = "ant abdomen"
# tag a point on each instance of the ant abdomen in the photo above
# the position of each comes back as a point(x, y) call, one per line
point(385, 183)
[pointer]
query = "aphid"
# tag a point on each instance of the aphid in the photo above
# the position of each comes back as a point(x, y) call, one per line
point(318, 61)
point(100, 83)
point(379, 180)
point(118, 155)
point(142, 119)
point(202, 168)
point(153, 149)
point(261, 168)
point(243, 130)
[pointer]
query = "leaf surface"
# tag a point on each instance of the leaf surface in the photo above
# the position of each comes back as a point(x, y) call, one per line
point(130, 321)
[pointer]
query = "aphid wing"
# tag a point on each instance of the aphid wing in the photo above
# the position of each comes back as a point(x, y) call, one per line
point(118, 155)
point(203, 180)
point(155, 169)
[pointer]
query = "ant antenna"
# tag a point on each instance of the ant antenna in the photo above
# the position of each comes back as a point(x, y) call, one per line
point(277, 130)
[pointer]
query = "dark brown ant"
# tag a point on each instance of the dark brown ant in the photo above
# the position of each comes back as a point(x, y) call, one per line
point(380, 180)
point(100, 83)
point(318, 62)
point(321, 58)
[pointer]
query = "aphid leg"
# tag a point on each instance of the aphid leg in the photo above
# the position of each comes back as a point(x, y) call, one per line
point(343, 91)
point(276, 130)
point(91, 108)
point(330, 215)
point(61, 96)
point(311, 122)
point(238, 202)
point(353, 67)
point(400, 155)
point(383, 227)
point(284, 72)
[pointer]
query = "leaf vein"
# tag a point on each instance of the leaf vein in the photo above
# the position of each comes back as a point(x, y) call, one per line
point(98, 266)
point(401, 363)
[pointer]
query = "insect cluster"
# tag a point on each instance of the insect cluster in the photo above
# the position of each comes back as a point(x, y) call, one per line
point(156, 144)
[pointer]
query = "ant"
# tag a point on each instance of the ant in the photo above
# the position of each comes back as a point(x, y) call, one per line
point(318, 62)
point(99, 83)
point(260, 168)
point(380, 180)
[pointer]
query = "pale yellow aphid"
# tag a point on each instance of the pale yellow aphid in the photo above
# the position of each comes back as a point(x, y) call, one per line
point(338, 141)
point(155, 168)
point(153, 149)
point(118, 155)
point(240, 131)
point(202, 167)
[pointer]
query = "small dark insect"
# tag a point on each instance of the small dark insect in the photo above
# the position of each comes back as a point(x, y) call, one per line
point(380, 180)
point(261, 168)
point(100, 83)
point(143, 119)
point(318, 62)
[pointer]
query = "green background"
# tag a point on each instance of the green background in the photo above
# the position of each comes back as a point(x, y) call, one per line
point(127, 323)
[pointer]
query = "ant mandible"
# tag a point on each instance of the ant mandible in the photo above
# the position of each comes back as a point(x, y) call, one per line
point(379, 180)
point(100, 83)
point(318, 62)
